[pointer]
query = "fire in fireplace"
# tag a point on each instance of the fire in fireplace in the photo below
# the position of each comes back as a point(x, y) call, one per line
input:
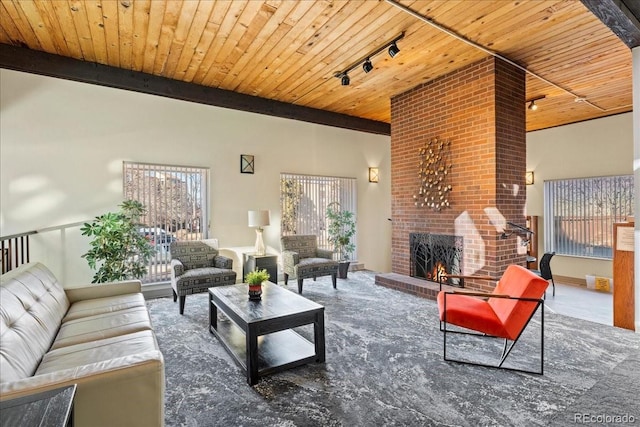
point(435, 255)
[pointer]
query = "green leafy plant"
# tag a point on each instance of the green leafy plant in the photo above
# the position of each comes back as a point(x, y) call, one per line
point(120, 251)
point(342, 228)
point(257, 277)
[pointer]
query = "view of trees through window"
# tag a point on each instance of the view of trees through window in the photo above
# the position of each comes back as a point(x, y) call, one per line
point(176, 200)
point(304, 200)
point(580, 213)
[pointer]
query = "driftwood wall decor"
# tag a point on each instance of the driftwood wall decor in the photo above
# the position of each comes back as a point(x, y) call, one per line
point(434, 169)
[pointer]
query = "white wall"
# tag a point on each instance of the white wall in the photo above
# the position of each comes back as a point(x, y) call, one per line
point(62, 145)
point(598, 147)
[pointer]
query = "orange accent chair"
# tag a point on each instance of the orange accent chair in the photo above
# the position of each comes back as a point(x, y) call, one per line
point(504, 313)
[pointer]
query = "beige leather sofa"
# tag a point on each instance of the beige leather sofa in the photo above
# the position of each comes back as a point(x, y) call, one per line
point(98, 337)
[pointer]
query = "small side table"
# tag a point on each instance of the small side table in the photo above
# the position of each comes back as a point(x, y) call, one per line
point(268, 262)
point(50, 408)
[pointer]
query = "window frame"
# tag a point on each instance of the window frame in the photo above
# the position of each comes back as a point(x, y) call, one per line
point(588, 231)
point(167, 180)
point(318, 189)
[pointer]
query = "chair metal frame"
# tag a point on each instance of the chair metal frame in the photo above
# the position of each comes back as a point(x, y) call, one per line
point(506, 347)
point(445, 277)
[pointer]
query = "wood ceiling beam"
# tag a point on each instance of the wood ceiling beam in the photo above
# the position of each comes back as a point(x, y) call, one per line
point(621, 16)
point(36, 62)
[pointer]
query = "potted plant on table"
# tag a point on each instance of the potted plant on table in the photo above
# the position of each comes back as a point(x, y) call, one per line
point(255, 279)
point(342, 228)
point(118, 248)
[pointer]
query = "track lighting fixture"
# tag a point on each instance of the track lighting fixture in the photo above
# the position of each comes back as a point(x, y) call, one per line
point(532, 102)
point(367, 65)
point(393, 49)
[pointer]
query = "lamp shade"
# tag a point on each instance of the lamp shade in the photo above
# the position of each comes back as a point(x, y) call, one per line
point(258, 218)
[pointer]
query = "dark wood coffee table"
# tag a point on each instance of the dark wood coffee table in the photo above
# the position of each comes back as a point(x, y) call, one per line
point(259, 334)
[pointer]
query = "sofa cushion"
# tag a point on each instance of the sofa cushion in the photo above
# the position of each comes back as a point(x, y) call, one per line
point(33, 304)
point(312, 267)
point(100, 326)
point(97, 356)
point(470, 312)
point(205, 278)
point(92, 307)
point(519, 282)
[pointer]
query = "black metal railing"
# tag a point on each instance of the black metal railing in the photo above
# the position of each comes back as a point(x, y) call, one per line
point(14, 250)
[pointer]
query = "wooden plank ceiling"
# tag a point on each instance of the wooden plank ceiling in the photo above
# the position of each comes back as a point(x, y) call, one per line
point(290, 50)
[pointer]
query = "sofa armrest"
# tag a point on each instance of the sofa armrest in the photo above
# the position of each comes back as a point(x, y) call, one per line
point(102, 290)
point(221, 261)
point(289, 261)
point(120, 366)
point(324, 253)
point(110, 392)
point(177, 268)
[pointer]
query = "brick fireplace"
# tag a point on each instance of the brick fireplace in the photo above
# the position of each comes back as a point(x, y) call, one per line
point(480, 110)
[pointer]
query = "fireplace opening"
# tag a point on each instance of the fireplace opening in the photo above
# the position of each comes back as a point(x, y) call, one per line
point(435, 255)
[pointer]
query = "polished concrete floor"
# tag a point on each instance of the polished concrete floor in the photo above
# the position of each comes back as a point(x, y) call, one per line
point(581, 303)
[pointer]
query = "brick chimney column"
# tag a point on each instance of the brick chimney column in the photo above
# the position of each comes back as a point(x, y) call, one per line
point(481, 110)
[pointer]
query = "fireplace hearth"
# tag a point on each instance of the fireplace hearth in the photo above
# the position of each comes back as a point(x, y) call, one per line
point(434, 255)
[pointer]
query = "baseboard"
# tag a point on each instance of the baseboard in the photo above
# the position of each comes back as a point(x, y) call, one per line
point(581, 283)
point(156, 290)
point(573, 281)
point(356, 266)
point(162, 290)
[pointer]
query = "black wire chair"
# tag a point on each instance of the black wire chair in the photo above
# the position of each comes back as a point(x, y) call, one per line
point(545, 269)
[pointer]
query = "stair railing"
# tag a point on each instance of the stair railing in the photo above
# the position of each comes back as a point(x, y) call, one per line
point(14, 249)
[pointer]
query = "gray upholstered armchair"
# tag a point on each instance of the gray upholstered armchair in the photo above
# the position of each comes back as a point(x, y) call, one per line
point(196, 267)
point(302, 259)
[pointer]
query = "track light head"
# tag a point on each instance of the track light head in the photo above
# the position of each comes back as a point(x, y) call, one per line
point(532, 102)
point(365, 61)
point(367, 65)
point(393, 49)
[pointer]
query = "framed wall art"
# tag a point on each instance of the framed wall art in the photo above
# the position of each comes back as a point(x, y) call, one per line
point(247, 164)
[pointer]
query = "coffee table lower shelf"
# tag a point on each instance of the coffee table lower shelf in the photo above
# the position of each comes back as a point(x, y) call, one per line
point(277, 351)
point(262, 336)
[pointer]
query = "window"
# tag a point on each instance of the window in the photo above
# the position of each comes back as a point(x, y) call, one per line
point(580, 213)
point(176, 198)
point(304, 200)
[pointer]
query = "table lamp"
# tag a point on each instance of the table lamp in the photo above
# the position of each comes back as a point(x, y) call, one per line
point(259, 219)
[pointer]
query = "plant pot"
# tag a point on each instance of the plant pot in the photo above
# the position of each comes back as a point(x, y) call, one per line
point(255, 292)
point(343, 268)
